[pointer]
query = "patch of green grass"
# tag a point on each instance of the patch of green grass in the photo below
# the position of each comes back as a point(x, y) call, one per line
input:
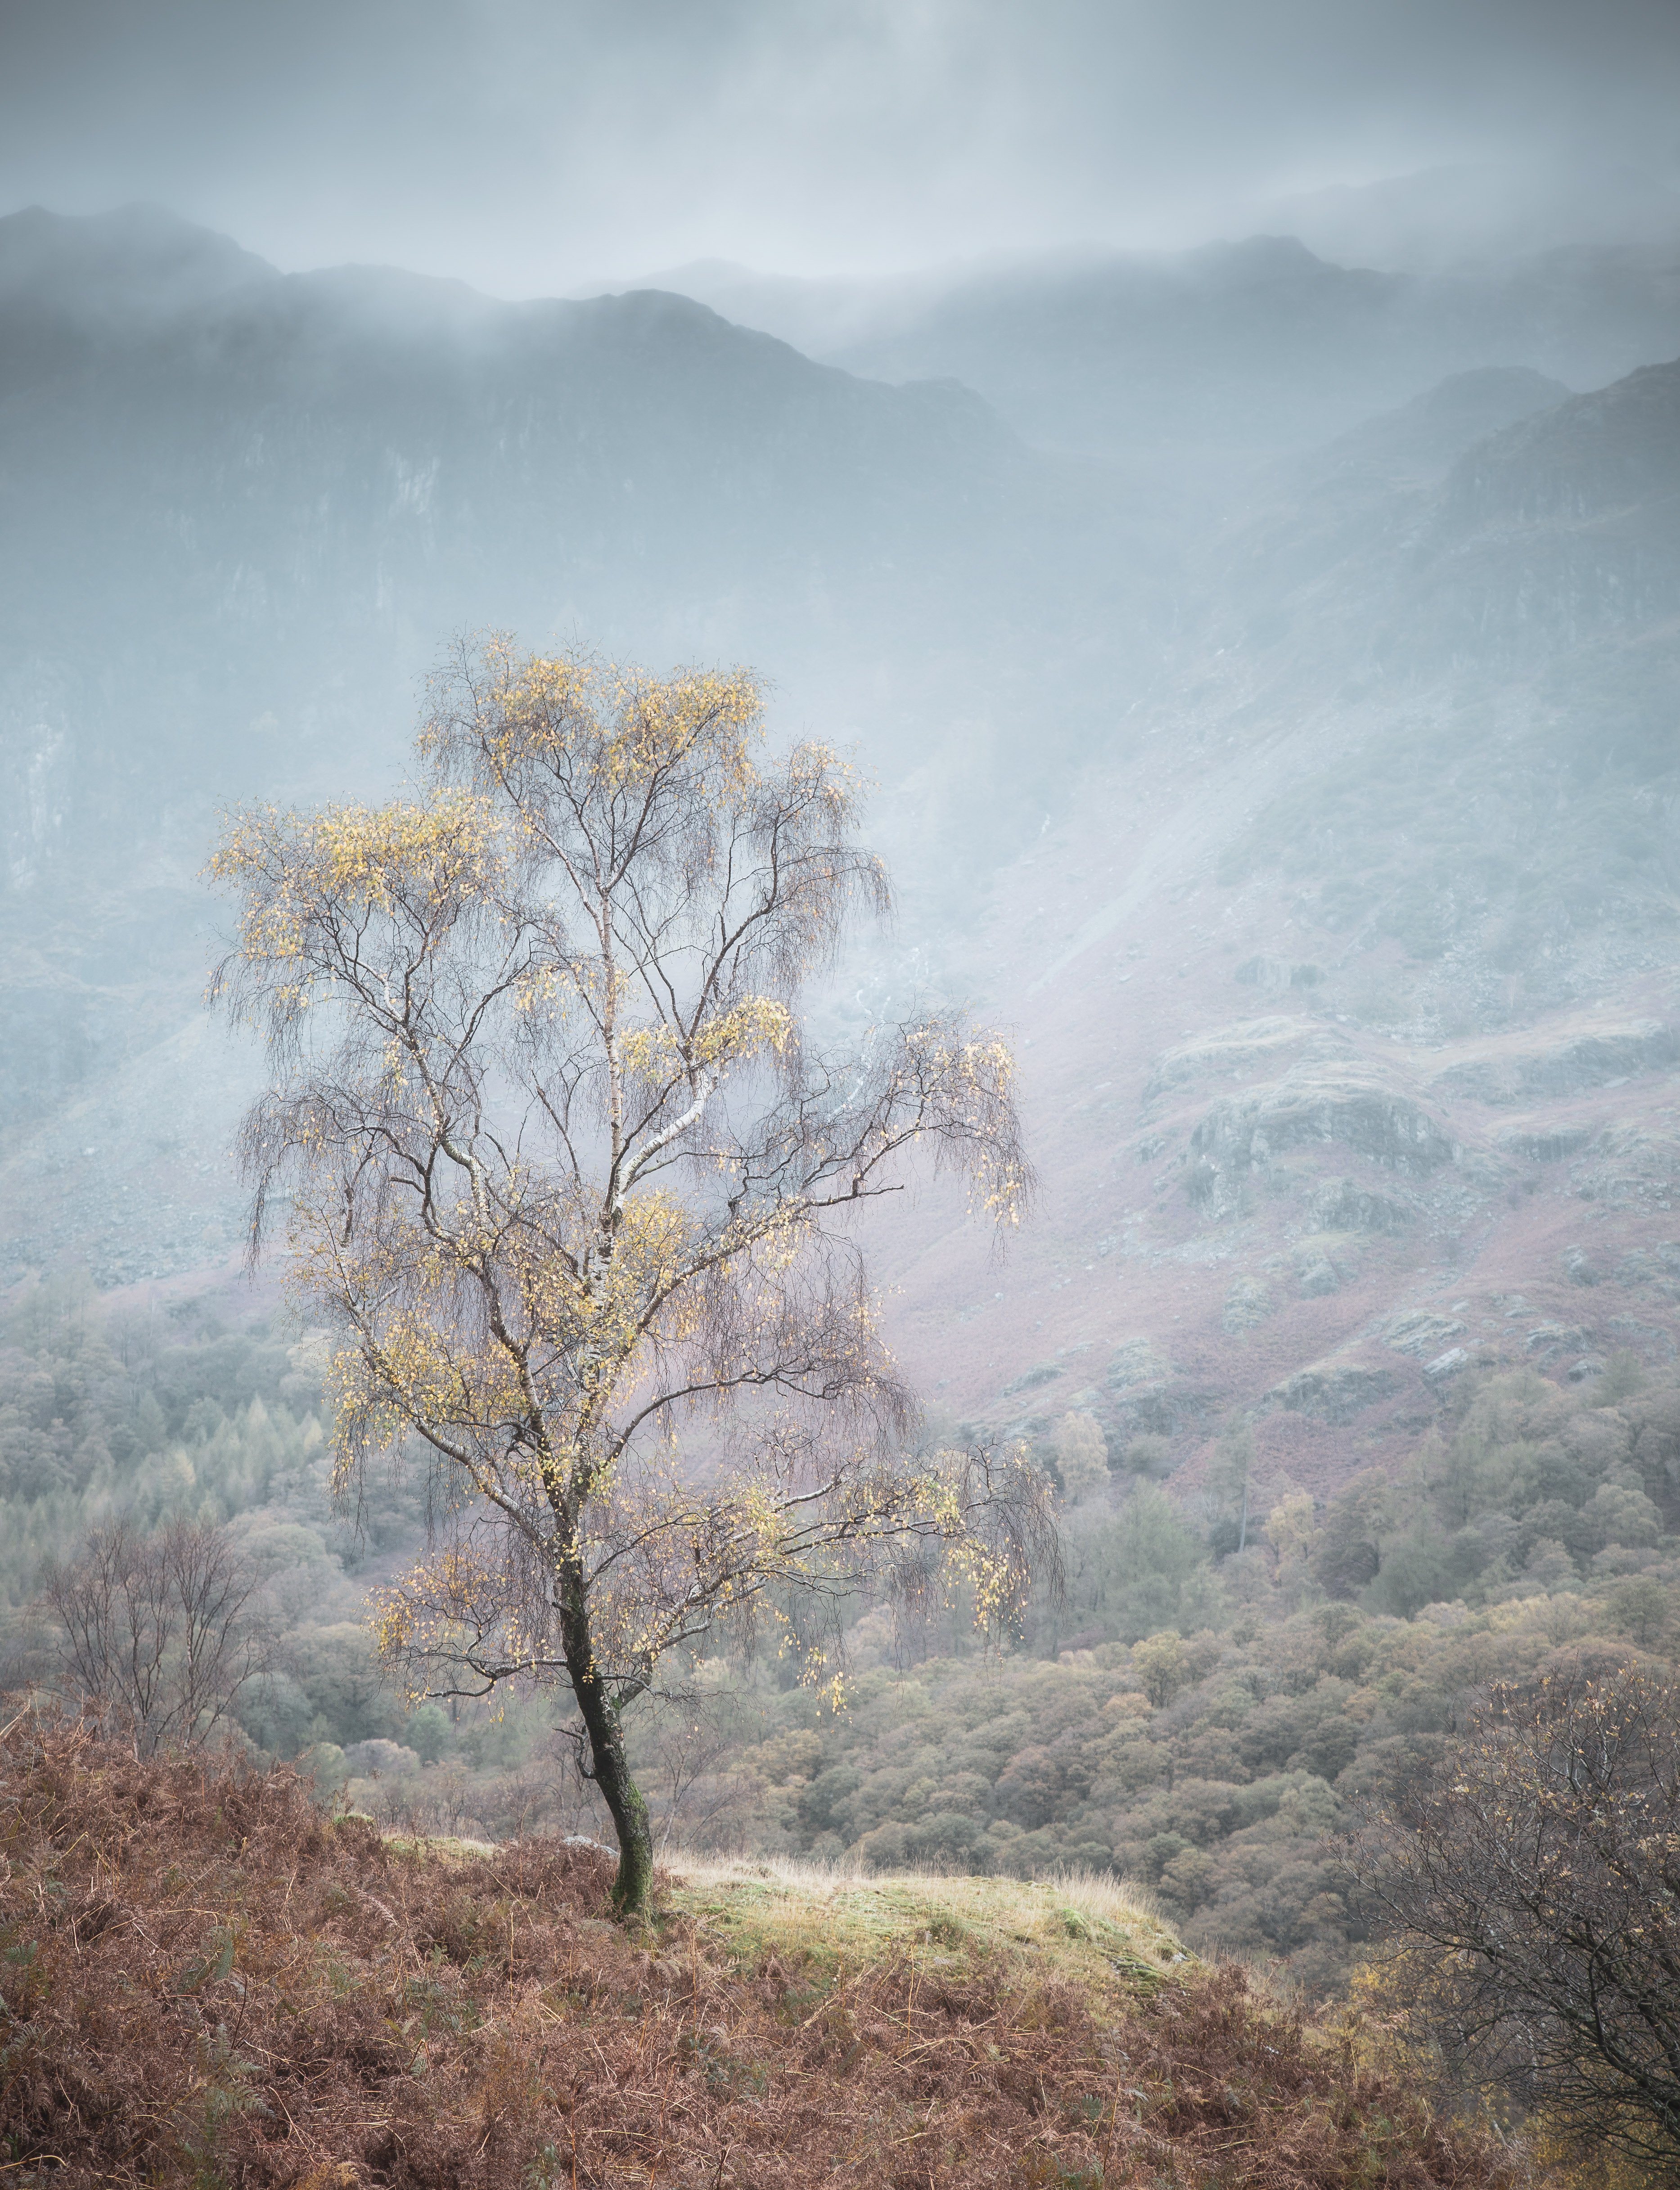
point(1084, 1928)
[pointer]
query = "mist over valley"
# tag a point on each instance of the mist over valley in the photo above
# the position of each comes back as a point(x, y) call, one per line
point(1355, 791)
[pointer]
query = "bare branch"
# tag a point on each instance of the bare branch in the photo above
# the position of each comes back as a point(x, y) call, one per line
point(1530, 1885)
point(156, 1633)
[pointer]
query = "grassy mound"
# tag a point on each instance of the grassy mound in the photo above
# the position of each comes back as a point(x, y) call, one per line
point(205, 1980)
point(1090, 1930)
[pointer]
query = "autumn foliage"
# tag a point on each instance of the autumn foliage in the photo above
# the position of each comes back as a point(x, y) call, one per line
point(208, 1979)
point(566, 1176)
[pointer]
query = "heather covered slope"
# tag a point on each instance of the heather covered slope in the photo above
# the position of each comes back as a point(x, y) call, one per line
point(1347, 987)
point(207, 1980)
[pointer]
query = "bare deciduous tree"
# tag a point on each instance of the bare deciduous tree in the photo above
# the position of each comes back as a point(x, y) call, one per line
point(1530, 1885)
point(565, 1172)
point(687, 1749)
point(154, 1633)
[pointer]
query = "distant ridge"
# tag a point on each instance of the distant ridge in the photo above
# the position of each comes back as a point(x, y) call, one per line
point(140, 260)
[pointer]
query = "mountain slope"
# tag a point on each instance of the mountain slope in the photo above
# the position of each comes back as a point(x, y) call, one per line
point(245, 511)
point(777, 2029)
point(1347, 920)
point(1350, 993)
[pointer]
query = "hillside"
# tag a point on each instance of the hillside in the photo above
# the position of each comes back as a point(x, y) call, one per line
point(1346, 987)
point(204, 1976)
point(1432, 659)
point(1196, 1709)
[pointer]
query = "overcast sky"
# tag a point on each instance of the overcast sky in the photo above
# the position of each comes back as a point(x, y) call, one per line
point(530, 145)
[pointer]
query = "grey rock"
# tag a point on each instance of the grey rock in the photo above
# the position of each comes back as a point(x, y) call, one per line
point(1599, 1059)
point(1165, 1412)
point(1245, 1046)
point(1331, 1391)
point(1549, 1145)
point(1030, 1379)
point(1346, 1104)
point(1547, 1339)
point(1248, 1303)
point(1420, 1332)
point(1446, 1364)
point(1341, 1205)
point(1135, 1362)
point(1639, 1266)
point(1634, 1166)
point(1278, 973)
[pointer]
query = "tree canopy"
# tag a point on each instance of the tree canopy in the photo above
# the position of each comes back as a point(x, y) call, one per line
point(565, 1171)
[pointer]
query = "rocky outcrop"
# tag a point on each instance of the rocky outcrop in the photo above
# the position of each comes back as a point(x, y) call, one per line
point(1595, 1057)
point(1447, 1364)
point(1342, 1204)
point(1629, 1167)
point(1658, 1266)
point(1135, 1362)
point(1547, 1340)
point(1421, 1333)
point(1348, 1105)
point(1247, 1304)
point(1542, 1144)
point(1331, 1391)
point(1169, 1410)
point(1029, 1380)
point(1146, 1396)
point(1278, 973)
point(1247, 1046)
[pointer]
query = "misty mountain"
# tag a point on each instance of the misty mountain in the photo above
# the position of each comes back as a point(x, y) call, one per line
point(1509, 623)
point(140, 264)
point(1419, 441)
point(245, 511)
point(1402, 707)
point(1432, 673)
point(1229, 356)
point(277, 494)
point(1483, 212)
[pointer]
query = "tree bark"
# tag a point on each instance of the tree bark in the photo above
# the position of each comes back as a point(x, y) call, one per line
point(611, 1770)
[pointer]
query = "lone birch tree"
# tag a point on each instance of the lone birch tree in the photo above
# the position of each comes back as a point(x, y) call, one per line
point(562, 1171)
